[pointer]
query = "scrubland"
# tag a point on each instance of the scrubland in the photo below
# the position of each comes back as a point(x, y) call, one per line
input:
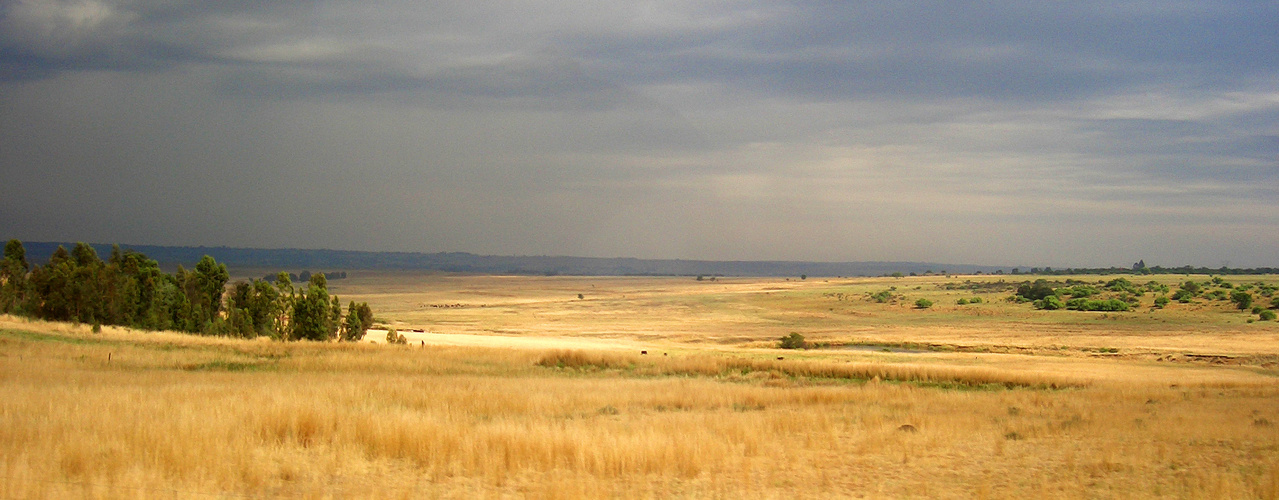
point(1010, 403)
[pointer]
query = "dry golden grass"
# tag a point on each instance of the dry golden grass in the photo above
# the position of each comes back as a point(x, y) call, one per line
point(136, 415)
point(738, 311)
point(1018, 404)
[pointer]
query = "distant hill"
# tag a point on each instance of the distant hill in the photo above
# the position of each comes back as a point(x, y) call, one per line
point(297, 259)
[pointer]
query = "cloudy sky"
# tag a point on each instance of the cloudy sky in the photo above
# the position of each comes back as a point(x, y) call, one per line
point(1083, 133)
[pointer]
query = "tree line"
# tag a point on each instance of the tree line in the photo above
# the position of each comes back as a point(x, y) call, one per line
point(129, 289)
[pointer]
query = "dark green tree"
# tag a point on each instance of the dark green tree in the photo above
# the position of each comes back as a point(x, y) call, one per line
point(210, 282)
point(335, 315)
point(354, 327)
point(366, 315)
point(13, 277)
point(262, 307)
point(312, 311)
point(51, 285)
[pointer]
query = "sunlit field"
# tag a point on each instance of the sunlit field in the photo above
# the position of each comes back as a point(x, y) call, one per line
point(657, 388)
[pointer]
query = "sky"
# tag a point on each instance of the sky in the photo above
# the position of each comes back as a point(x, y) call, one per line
point(1064, 134)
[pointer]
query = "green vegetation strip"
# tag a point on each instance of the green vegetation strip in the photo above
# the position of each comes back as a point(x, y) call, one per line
point(30, 336)
point(936, 376)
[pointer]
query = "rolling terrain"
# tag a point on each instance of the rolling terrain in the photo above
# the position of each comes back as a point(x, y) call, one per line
point(658, 387)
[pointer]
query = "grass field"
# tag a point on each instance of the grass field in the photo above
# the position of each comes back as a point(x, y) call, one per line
point(519, 388)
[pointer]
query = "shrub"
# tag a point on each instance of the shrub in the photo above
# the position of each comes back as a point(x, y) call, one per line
point(1122, 285)
point(792, 341)
point(1112, 305)
point(1267, 315)
point(882, 296)
point(1050, 303)
point(923, 304)
point(1079, 291)
point(962, 302)
point(974, 300)
point(1242, 300)
point(1035, 291)
point(1161, 302)
point(1189, 287)
point(394, 337)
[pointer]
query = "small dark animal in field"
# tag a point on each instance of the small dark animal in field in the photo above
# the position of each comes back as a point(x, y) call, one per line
point(643, 352)
point(779, 358)
point(907, 428)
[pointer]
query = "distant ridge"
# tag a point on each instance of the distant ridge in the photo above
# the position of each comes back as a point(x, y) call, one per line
point(298, 259)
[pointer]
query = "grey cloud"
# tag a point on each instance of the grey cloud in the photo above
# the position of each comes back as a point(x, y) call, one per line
point(804, 129)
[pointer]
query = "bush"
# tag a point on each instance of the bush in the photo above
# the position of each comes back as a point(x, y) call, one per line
point(1161, 302)
point(1267, 315)
point(974, 300)
point(962, 302)
point(1122, 285)
point(792, 341)
point(1080, 291)
point(1035, 291)
point(394, 337)
point(882, 296)
point(1189, 287)
point(1112, 305)
point(1050, 303)
point(923, 304)
point(1242, 300)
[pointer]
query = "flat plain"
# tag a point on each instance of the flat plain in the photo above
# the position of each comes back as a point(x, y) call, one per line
point(643, 387)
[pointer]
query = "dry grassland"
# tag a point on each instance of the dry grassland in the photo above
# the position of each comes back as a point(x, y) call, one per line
point(1011, 404)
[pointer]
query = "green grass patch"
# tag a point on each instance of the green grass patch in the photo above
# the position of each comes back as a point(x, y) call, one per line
point(228, 366)
point(29, 336)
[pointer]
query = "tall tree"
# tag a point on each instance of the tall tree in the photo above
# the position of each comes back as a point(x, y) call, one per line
point(262, 306)
point(335, 315)
point(359, 318)
point(51, 285)
point(13, 277)
point(210, 281)
point(311, 311)
point(284, 306)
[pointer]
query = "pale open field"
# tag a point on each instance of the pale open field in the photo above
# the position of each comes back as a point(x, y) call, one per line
point(525, 390)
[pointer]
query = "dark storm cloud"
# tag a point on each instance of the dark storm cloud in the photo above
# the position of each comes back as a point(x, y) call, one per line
point(989, 49)
point(747, 129)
